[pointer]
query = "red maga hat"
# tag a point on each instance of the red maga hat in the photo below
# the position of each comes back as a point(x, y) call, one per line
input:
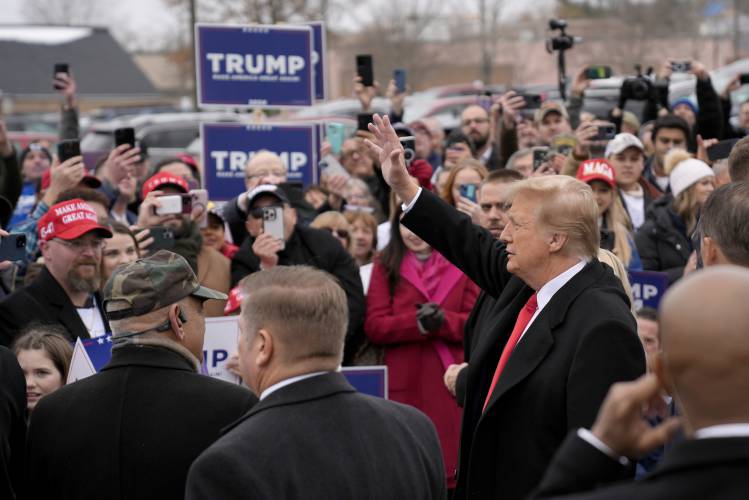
point(69, 220)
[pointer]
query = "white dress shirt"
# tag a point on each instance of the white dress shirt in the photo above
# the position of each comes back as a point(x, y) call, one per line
point(547, 292)
point(723, 431)
point(714, 431)
point(280, 385)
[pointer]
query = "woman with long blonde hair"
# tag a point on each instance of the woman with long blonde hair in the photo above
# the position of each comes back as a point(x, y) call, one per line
point(613, 221)
point(665, 239)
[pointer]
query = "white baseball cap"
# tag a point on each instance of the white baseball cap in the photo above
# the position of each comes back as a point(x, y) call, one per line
point(621, 142)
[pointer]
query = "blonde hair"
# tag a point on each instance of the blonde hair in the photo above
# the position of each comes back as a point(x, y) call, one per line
point(686, 204)
point(618, 222)
point(369, 221)
point(302, 307)
point(565, 205)
point(468, 164)
point(330, 220)
point(620, 272)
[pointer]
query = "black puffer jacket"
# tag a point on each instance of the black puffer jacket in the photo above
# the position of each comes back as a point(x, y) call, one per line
point(662, 240)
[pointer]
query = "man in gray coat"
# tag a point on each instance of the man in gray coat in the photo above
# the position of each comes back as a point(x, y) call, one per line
point(312, 435)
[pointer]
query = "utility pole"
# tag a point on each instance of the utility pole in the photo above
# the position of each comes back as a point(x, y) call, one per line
point(486, 61)
point(736, 30)
point(192, 59)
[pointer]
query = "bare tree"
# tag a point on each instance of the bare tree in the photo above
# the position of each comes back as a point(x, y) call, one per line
point(68, 12)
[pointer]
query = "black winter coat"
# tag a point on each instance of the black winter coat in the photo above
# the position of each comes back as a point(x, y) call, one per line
point(316, 248)
point(319, 439)
point(130, 431)
point(43, 301)
point(662, 240)
point(582, 342)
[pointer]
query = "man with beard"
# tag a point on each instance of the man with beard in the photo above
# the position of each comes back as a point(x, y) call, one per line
point(494, 202)
point(475, 123)
point(66, 290)
point(212, 268)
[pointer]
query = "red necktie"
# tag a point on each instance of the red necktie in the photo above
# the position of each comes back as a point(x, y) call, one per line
point(526, 313)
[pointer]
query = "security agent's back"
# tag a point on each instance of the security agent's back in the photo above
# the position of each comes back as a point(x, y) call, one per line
point(131, 431)
point(319, 439)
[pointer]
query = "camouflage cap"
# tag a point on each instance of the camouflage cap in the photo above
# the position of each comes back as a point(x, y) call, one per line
point(151, 283)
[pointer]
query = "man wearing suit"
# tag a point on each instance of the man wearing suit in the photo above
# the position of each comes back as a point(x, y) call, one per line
point(562, 330)
point(312, 435)
point(703, 364)
point(132, 430)
point(492, 198)
point(66, 290)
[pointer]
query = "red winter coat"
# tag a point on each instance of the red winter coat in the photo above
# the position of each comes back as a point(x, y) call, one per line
point(415, 366)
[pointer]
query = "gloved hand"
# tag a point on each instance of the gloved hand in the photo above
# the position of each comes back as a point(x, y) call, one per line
point(430, 316)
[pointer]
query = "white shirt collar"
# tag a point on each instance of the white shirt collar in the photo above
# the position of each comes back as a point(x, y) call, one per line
point(723, 431)
point(283, 383)
point(545, 294)
point(548, 291)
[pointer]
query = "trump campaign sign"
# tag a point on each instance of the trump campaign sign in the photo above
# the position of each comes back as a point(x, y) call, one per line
point(648, 288)
point(228, 146)
point(254, 65)
point(318, 59)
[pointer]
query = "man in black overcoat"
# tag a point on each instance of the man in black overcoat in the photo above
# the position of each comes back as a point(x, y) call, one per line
point(312, 436)
point(562, 333)
point(703, 365)
point(132, 430)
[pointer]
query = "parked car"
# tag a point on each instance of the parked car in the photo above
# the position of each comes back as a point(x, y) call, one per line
point(164, 134)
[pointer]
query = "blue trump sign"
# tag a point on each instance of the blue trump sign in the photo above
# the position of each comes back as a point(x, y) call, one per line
point(318, 59)
point(371, 380)
point(228, 146)
point(254, 65)
point(648, 288)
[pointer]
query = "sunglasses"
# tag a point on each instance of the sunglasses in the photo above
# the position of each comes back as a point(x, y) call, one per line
point(341, 233)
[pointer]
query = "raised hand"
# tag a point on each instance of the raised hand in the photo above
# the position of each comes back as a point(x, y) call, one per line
point(389, 151)
point(620, 423)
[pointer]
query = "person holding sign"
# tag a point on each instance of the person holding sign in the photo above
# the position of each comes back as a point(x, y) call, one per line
point(139, 423)
point(312, 435)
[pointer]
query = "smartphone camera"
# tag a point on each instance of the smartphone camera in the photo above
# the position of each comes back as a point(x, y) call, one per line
point(59, 68)
point(605, 133)
point(681, 66)
point(540, 156)
point(269, 215)
point(409, 149)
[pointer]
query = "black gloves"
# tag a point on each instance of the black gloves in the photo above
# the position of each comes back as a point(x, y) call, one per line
point(429, 317)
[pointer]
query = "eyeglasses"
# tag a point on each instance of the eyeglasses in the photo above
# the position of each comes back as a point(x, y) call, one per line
point(266, 173)
point(477, 121)
point(341, 233)
point(80, 245)
point(257, 213)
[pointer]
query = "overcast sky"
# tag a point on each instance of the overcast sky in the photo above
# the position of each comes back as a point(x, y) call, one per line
point(146, 23)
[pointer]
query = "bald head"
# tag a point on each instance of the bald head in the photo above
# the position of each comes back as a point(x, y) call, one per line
point(264, 167)
point(705, 339)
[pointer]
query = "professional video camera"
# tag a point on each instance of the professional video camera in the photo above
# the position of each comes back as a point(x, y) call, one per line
point(637, 88)
point(561, 43)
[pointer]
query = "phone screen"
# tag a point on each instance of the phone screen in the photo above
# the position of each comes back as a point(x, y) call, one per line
point(399, 75)
point(468, 191)
point(364, 69)
point(68, 149)
point(124, 136)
